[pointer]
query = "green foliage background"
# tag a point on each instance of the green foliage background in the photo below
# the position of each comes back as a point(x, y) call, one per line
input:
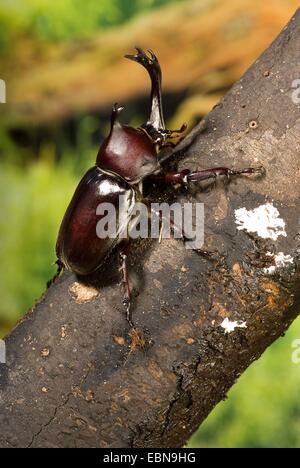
point(68, 19)
point(263, 409)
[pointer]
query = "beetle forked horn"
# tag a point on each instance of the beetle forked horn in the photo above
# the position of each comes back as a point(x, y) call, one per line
point(147, 60)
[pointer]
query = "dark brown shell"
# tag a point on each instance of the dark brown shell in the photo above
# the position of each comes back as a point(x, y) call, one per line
point(128, 152)
point(78, 247)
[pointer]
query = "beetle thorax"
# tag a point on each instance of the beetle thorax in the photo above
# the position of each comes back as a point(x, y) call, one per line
point(128, 152)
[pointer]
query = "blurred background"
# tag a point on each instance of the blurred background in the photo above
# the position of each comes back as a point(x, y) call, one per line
point(63, 67)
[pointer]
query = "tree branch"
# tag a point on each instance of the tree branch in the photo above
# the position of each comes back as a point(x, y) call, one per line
point(77, 377)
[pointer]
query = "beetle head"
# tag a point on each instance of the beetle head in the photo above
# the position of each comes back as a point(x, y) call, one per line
point(127, 151)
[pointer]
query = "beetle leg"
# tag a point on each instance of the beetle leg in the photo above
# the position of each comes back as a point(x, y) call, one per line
point(169, 221)
point(126, 287)
point(185, 176)
point(60, 267)
point(171, 134)
point(196, 176)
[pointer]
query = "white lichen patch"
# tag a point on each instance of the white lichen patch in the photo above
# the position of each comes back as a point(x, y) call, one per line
point(230, 326)
point(81, 293)
point(264, 220)
point(281, 261)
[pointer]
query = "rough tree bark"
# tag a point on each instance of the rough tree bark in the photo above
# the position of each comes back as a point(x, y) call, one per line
point(76, 375)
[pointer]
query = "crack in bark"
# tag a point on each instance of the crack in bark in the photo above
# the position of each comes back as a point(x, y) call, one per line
point(34, 436)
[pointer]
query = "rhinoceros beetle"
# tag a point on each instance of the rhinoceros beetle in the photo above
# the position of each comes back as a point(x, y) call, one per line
point(126, 157)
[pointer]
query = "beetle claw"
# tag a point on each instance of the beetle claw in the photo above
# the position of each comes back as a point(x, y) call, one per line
point(126, 303)
point(260, 170)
